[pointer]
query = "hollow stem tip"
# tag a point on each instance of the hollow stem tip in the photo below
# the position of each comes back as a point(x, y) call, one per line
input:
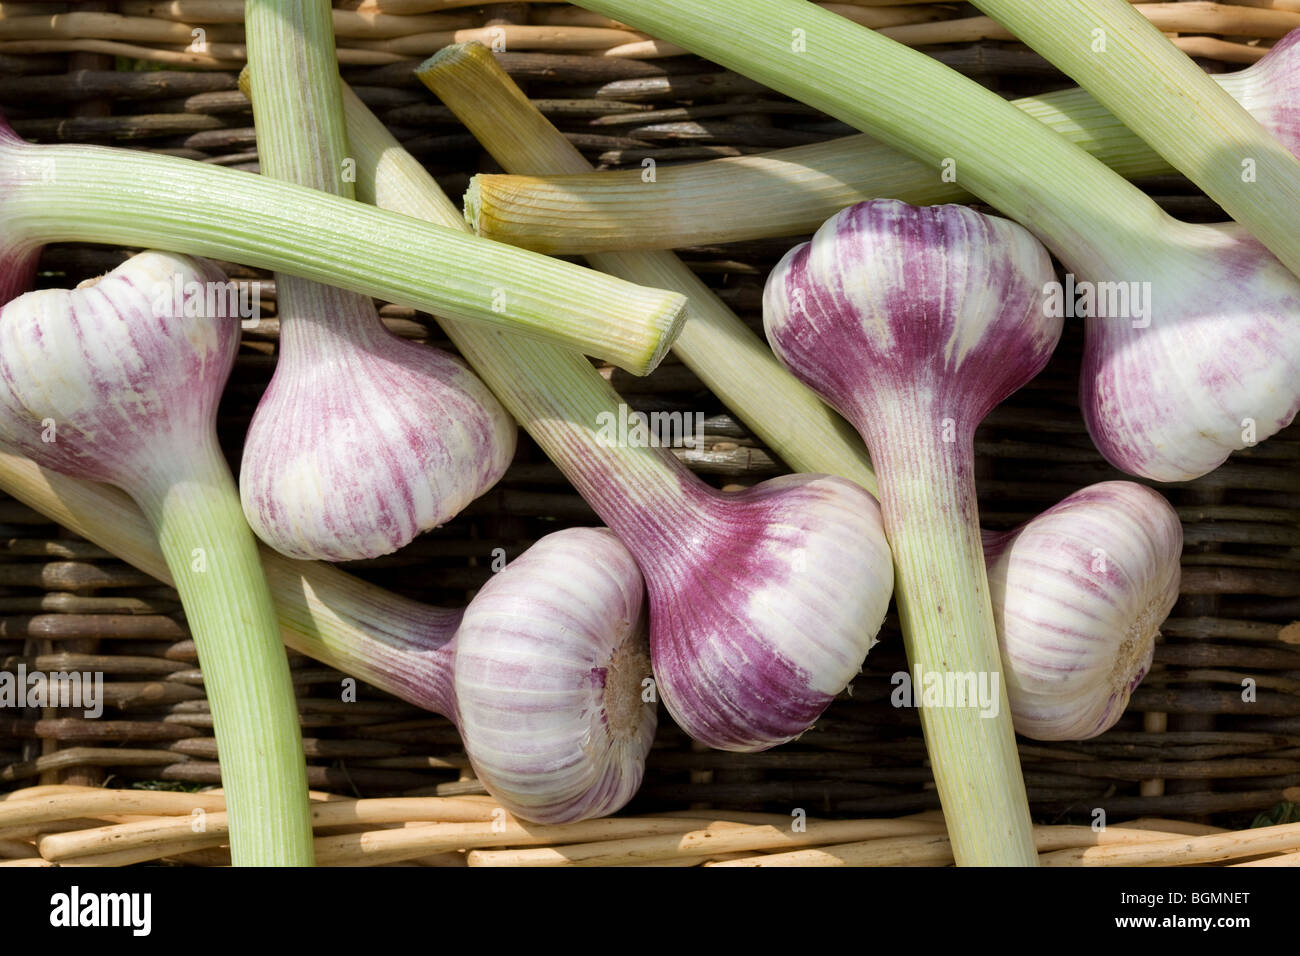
point(79, 193)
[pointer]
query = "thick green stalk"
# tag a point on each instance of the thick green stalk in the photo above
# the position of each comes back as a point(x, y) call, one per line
point(1091, 217)
point(941, 586)
point(76, 193)
point(1113, 51)
point(785, 192)
point(730, 359)
point(294, 92)
point(294, 87)
point(213, 561)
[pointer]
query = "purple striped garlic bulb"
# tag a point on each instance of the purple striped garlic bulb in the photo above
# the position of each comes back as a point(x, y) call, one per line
point(552, 679)
point(1170, 389)
point(126, 382)
point(914, 322)
point(1270, 90)
point(1079, 593)
point(546, 674)
point(363, 439)
point(763, 602)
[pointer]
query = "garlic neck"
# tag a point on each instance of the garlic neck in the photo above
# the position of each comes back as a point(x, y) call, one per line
point(321, 324)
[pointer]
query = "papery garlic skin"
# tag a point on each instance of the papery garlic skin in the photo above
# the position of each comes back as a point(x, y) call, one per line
point(17, 272)
point(944, 305)
point(1270, 90)
point(1079, 593)
point(554, 696)
point(363, 440)
point(758, 626)
point(110, 383)
point(1169, 395)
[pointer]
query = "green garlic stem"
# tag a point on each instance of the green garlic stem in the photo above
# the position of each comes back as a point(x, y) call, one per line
point(1127, 63)
point(294, 88)
point(931, 518)
point(1092, 218)
point(213, 561)
point(784, 192)
point(77, 193)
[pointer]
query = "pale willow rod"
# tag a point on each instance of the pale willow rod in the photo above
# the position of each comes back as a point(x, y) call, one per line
point(166, 33)
point(232, 11)
point(644, 841)
point(373, 847)
point(415, 828)
point(704, 843)
point(212, 54)
point(162, 834)
point(934, 849)
point(352, 24)
point(731, 360)
point(1185, 851)
point(1282, 859)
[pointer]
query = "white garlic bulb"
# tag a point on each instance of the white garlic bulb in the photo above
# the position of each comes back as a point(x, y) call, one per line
point(1079, 594)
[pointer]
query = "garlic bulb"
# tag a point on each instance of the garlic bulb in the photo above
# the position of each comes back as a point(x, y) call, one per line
point(763, 603)
point(552, 679)
point(546, 674)
point(363, 439)
point(1079, 593)
point(1204, 361)
point(914, 322)
point(1270, 90)
point(118, 381)
point(113, 380)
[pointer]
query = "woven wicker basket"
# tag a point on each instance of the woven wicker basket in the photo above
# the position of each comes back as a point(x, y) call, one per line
point(162, 76)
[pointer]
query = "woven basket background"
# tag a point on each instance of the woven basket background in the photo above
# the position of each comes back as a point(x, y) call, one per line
point(1189, 745)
